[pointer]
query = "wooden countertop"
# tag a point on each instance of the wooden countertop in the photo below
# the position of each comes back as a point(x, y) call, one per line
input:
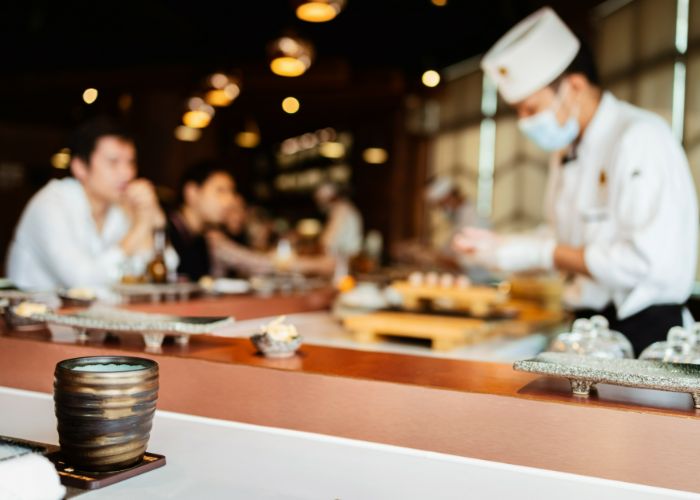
point(467, 408)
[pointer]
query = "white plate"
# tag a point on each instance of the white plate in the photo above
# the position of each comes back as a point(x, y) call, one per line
point(230, 286)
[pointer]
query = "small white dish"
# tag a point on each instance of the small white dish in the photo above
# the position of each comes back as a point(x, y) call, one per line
point(230, 286)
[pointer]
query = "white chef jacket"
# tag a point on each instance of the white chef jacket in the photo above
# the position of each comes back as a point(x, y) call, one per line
point(57, 244)
point(629, 200)
point(342, 234)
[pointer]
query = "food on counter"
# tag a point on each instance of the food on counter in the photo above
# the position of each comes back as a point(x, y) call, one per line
point(81, 293)
point(444, 280)
point(277, 339)
point(346, 283)
point(432, 279)
point(29, 309)
point(280, 331)
point(206, 282)
point(224, 285)
point(462, 282)
point(364, 296)
point(415, 279)
point(447, 280)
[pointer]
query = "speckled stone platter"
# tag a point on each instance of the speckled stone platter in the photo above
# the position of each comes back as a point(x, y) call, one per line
point(153, 327)
point(585, 372)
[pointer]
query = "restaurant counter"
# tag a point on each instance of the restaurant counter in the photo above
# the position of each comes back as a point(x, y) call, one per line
point(219, 459)
point(470, 409)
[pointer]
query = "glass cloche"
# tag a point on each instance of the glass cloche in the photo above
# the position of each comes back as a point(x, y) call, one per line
point(593, 337)
point(680, 346)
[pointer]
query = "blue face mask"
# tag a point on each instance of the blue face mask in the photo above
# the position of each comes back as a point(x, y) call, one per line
point(545, 130)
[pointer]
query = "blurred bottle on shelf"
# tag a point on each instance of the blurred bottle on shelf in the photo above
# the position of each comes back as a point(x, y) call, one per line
point(157, 269)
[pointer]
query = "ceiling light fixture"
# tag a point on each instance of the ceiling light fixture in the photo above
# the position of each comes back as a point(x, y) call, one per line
point(249, 137)
point(319, 11)
point(375, 156)
point(61, 160)
point(332, 149)
point(290, 105)
point(222, 90)
point(198, 114)
point(290, 56)
point(187, 134)
point(90, 95)
point(431, 78)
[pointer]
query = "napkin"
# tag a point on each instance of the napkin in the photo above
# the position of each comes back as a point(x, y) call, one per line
point(29, 477)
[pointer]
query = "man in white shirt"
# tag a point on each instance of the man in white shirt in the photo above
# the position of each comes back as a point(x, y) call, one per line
point(621, 203)
point(84, 229)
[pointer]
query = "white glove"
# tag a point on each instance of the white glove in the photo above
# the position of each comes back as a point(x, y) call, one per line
point(508, 253)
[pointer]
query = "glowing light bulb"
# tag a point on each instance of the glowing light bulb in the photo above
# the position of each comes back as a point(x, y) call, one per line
point(90, 95)
point(290, 105)
point(431, 78)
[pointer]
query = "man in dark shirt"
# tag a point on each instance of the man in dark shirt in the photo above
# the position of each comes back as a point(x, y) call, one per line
point(207, 192)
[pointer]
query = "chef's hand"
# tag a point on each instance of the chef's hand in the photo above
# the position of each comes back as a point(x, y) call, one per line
point(508, 253)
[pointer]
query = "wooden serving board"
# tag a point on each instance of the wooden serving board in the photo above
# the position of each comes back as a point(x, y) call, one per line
point(445, 333)
point(477, 299)
point(546, 290)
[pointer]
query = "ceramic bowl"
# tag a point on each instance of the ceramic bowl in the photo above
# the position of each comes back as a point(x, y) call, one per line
point(275, 348)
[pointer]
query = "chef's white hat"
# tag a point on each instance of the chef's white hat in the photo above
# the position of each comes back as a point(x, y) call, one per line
point(439, 188)
point(533, 54)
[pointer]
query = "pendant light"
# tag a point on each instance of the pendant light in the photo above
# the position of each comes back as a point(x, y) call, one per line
point(249, 137)
point(319, 11)
point(290, 56)
point(222, 90)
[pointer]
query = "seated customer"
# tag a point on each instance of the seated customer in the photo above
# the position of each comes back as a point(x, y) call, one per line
point(82, 230)
point(206, 197)
point(232, 256)
point(235, 222)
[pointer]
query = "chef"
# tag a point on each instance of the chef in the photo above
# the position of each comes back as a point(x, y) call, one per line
point(443, 194)
point(621, 205)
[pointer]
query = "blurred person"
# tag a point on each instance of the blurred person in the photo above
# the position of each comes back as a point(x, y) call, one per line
point(441, 194)
point(621, 205)
point(260, 233)
point(229, 246)
point(207, 197)
point(83, 230)
point(341, 237)
point(206, 192)
point(342, 232)
point(235, 222)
